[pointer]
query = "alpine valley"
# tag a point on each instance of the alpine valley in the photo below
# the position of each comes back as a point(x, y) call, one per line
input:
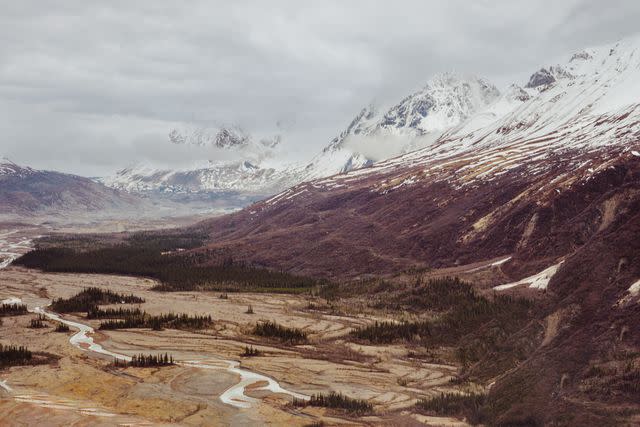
point(467, 256)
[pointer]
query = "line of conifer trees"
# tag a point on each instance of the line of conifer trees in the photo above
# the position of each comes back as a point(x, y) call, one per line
point(271, 329)
point(11, 355)
point(113, 313)
point(176, 271)
point(337, 401)
point(13, 309)
point(158, 322)
point(89, 298)
point(145, 361)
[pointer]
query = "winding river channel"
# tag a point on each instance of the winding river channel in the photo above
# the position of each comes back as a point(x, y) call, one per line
point(234, 396)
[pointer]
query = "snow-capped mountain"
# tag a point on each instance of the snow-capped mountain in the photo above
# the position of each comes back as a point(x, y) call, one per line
point(249, 175)
point(420, 118)
point(539, 192)
point(577, 104)
point(445, 101)
point(236, 176)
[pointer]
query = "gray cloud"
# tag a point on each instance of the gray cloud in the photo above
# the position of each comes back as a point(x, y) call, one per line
point(89, 86)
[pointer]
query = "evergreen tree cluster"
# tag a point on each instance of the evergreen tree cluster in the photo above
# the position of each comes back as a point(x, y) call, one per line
point(38, 322)
point(159, 322)
point(146, 361)
point(271, 329)
point(13, 309)
point(162, 260)
point(89, 298)
point(61, 327)
point(337, 401)
point(113, 313)
point(11, 355)
point(250, 351)
point(389, 332)
point(470, 406)
point(461, 311)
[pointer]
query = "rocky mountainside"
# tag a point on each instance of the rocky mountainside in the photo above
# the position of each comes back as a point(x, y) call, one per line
point(28, 192)
point(519, 156)
point(543, 184)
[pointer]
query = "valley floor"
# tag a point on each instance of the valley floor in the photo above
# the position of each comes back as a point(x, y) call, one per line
point(81, 388)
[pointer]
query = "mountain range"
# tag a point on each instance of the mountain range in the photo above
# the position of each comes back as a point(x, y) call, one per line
point(539, 189)
point(445, 101)
point(536, 187)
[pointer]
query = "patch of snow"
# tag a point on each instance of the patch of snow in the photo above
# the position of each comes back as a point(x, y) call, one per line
point(635, 288)
point(500, 262)
point(537, 281)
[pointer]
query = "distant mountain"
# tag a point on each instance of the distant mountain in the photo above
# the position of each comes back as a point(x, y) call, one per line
point(29, 192)
point(237, 176)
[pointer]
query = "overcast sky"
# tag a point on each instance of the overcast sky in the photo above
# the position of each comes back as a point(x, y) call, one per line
point(89, 86)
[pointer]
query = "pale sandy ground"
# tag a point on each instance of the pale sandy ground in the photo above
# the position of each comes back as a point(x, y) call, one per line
point(189, 396)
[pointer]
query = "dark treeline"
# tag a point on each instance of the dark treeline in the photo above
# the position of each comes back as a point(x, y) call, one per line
point(388, 332)
point(470, 406)
point(337, 401)
point(88, 299)
point(146, 361)
point(13, 309)
point(461, 310)
point(159, 322)
point(11, 355)
point(151, 256)
point(113, 313)
point(435, 294)
point(273, 330)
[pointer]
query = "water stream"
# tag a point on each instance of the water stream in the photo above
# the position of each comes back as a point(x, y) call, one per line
point(234, 395)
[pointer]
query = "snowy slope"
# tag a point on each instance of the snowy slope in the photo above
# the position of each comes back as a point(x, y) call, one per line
point(589, 104)
point(586, 103)
point(445, 101)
